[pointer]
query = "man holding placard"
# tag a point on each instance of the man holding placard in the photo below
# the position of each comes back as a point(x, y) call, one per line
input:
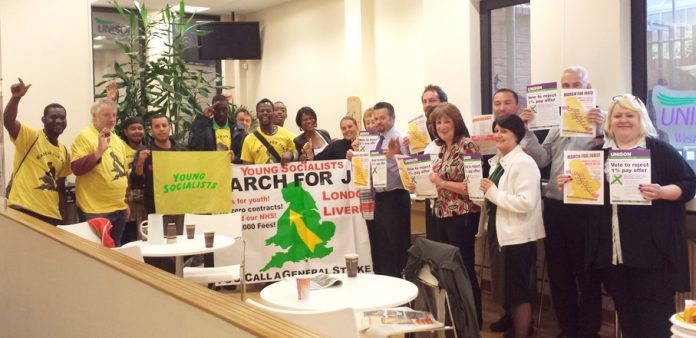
point(576, 293)
point(392, 203)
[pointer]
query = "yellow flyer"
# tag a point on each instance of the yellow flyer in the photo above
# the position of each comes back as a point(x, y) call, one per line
point(361, 169)
point(587, 171)
point(418, 134)
point(182, 185)
point(576, 104)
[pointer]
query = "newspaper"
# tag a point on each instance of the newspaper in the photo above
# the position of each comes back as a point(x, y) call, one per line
point(397, 316)
point(323, 281)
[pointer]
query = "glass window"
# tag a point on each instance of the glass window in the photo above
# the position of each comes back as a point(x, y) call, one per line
point(671, 72)
point(108, 28)
point(510, 49)
point(505, 48)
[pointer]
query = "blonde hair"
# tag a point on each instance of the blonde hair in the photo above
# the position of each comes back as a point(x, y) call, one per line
point(632, 103)
point(367, 114)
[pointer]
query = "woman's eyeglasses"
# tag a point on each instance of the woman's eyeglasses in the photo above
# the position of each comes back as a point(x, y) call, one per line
point(628, 96)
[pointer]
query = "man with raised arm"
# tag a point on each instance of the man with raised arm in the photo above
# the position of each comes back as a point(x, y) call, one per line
point(41, 163)
point(215, 130)
point(575, 289)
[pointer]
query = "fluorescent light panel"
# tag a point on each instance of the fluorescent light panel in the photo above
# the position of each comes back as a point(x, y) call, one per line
point(190, 9)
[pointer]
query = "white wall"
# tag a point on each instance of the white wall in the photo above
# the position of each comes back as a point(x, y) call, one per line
point(319, 52)
point(593, 33)
point(47, 43)
point(385, 50)
point(303, 60)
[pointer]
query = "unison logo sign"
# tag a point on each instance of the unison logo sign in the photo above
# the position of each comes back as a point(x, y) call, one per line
point(676, 115)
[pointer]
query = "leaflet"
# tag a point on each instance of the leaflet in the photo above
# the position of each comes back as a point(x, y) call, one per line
point(482, 133)
point(418, 134)
point(368, 141)
point(415, 170)
point(586, 169)
point(473, 173)
point(542, 99)
point(360, 168)
point(627, 169)
point(378, 168)
point(323, 281)
point(574, 108)
point(397, 316)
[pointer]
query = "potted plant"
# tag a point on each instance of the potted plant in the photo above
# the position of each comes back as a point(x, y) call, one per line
point(153, 82)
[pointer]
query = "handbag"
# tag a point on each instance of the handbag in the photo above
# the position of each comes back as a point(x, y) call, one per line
point(9, 184)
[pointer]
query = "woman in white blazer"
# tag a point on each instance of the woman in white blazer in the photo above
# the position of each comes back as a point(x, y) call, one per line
point(511, 216)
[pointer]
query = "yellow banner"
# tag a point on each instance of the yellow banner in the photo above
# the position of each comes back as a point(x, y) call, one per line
point(192, 182)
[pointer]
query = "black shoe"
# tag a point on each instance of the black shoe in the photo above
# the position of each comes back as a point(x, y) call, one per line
point(503, 324)
point(511, 332)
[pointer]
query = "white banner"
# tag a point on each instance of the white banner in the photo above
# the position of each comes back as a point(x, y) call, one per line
point(301, 217)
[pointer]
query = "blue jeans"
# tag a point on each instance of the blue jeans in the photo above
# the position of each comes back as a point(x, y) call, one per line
point(117, 219)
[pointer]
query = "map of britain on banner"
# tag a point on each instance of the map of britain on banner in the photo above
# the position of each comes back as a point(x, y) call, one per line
point(298, 219)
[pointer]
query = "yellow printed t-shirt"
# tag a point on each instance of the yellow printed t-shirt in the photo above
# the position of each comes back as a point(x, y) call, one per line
point(102, 189)
point(34, 186)
point(254, 151)
point(130, 157)
point(223, 136)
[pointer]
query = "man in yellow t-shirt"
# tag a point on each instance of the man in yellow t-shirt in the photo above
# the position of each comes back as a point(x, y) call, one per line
point(99, 162)
point(40, 163)
point(279, 138)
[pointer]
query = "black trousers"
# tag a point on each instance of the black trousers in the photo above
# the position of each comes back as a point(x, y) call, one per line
point(460, 231)
point(392, 232)
point(642, 299)
point(430, 232)
point(576, 291)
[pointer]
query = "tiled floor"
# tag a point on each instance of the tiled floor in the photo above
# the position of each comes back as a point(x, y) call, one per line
point(491, 312)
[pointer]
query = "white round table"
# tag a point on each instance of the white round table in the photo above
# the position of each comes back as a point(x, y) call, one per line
point(363, 293)
point(182, 247)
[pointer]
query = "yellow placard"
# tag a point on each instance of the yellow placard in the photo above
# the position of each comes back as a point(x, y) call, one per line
point(192, 182)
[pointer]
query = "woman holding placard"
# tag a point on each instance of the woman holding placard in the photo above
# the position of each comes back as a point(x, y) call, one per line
point(640, 249)
point(456, 216)
point(511, 216)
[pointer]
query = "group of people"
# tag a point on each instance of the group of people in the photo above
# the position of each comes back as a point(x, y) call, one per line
point(637, 252)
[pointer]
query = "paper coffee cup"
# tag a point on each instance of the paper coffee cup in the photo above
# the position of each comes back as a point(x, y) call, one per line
point(302, 287)
point(352, 265)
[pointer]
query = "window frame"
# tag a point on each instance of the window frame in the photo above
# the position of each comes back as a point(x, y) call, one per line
point(486, 6)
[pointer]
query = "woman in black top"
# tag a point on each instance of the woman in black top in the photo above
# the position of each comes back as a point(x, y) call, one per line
point(312, 141)
point(641, 250)
point(337, 150)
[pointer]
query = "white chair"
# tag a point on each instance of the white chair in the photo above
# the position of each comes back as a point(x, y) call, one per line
point(132, 252)
point(340, 323)
point(83, 230)
point(430, 284)
point(225, 269)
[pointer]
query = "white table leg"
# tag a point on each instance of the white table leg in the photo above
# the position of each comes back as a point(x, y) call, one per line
point(179, 266)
